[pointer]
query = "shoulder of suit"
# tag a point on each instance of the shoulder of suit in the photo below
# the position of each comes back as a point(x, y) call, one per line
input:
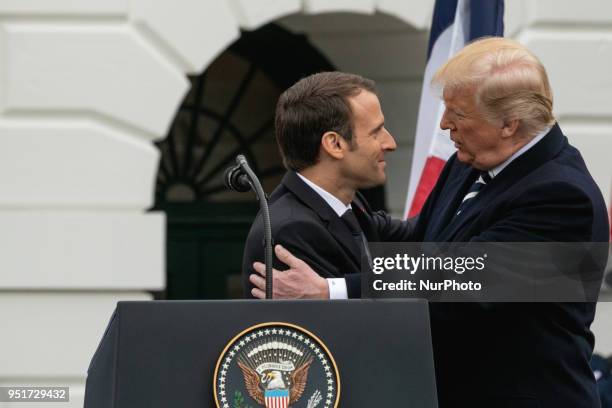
point(288, 210)
point(568, 168)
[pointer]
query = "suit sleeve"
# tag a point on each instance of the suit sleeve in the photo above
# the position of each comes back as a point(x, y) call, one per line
point(353, 285)
point(308, 241)
point(394, 230)
point(550, 212)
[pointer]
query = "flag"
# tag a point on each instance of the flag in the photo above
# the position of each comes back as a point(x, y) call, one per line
point(277, 398)
point(455, 23)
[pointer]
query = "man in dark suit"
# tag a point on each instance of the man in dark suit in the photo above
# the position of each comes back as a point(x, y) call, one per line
point(331, 134)
point(514, 178)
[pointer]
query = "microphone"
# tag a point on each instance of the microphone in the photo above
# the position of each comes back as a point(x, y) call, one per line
point(241, 178)
point(236, 179)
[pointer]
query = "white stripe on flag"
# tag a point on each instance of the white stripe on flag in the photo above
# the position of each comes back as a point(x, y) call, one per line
point(430, 139)
point(428, 112)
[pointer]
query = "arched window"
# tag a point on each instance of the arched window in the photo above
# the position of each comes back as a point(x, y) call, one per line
point(230, 110)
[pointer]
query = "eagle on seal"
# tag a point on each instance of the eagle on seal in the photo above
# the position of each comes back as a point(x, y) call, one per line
point(256, 386)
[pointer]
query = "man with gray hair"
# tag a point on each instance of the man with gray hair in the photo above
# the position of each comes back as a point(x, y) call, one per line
point(514, 178)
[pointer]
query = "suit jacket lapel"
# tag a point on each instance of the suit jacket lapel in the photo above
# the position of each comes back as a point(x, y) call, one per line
point(336, 227)
point(454, 191)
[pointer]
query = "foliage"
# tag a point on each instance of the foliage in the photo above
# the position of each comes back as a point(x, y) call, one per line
point(239, 400)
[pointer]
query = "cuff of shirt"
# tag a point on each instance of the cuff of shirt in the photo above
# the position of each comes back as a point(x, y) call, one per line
point(337, 288)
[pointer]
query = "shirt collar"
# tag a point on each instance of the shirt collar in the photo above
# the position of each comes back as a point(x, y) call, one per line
point(331, 200)
point(497, 169)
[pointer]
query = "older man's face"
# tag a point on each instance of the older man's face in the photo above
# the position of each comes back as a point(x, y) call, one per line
point(478, 142)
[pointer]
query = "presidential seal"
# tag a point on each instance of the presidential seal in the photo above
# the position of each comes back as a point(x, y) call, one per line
point(276, 365)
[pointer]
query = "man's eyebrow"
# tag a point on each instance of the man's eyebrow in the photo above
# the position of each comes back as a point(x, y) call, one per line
point(455, 110)
point(377, 128)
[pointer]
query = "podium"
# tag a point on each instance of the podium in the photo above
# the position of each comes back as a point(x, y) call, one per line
point(171, 354)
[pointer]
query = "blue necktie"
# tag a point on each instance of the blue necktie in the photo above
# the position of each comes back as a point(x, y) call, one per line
point(481, 181)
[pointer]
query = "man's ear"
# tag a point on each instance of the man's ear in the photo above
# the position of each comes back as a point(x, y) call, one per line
point(510, 127)
point(333, 144)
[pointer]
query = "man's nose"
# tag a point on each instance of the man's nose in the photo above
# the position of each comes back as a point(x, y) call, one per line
point(444, 122)
point(389, 142)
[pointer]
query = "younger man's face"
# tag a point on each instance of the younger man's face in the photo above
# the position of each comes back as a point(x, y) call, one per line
point(364, 164)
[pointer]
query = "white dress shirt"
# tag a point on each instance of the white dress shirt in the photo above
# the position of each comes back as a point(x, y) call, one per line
point(338, 206)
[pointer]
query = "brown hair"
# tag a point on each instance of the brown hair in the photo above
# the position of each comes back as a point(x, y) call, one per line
point(312, 106)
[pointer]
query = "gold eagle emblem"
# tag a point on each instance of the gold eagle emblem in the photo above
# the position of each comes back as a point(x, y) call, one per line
point(256, 384)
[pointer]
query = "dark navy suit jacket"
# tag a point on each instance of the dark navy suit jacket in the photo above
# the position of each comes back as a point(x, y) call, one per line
point(516, 355)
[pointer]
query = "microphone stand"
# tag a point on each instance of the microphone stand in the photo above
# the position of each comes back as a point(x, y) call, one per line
point(265, 212)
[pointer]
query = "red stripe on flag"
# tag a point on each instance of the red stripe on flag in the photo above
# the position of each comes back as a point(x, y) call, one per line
point(431, 171)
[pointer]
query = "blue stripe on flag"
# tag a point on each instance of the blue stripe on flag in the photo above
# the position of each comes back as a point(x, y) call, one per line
point(276, 393)
point(487, 18)
point(443, 17)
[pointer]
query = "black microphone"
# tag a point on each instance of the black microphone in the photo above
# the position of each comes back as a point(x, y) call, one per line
point(241, 178)
point(236, 179)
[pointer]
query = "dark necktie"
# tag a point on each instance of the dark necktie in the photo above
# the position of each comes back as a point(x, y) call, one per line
point(362, 243)
point(481, 181)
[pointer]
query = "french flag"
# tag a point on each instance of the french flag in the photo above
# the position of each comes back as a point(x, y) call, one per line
point(455, 23)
